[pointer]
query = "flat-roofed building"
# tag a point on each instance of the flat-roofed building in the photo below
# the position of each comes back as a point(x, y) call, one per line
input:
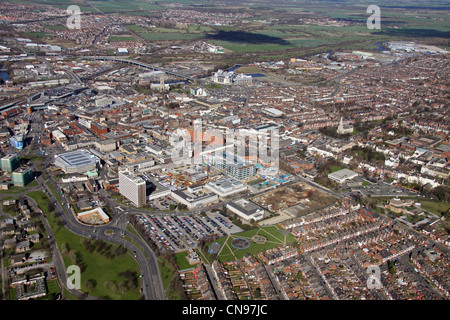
point(79, 161)
point(106, 145)
point(246, 209)
point(272, 112)
point(154, 149)
point(194, 200)
point(342, 175)
point(234, 167)
point(154, 189)
point(33, 288)
point(225, 187)
point(133, 188)
point(22, 176)
point(141, 166)
point(59, 136)
point(10, 162)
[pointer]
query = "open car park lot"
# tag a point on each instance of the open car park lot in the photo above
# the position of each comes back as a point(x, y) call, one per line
point(181, 232)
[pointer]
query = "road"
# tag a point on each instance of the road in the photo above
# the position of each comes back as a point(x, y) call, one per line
point(152, 287)
point(137, 63)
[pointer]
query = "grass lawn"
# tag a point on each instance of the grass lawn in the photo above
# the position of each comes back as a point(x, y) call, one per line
point(166, 36)
point(436, 207)
point(17, 189)
point(167, 274)
point(41, 199)
point(53, 289)
point(11, 210)
point(255, 47)
point(119, 39)
point(134, 27)
point(56, 27)
point(99, 268)
point(181, 260)
point(336, 168)
point(53, 191)
point(273, 239)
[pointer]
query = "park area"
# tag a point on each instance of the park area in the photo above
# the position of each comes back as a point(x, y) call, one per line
point(107, 271)
point(234, 246)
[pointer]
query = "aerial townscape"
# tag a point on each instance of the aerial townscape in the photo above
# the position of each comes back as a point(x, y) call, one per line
point(224, 150)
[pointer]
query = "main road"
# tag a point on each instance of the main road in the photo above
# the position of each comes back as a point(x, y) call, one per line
point(152, 287)
point(137, 63)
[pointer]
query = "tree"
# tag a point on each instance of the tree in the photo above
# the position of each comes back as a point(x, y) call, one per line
point(130, 282)
point(110, 286)
point(391, 265)
point(441, 193)
point(90, 284)
point(65, 248)
point(122, 286)
point(257, 293)
point(120, 251)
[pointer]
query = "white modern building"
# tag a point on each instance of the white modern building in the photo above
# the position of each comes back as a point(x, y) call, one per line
point(133, 188)
point(154, 189)
point(230, 77)
point(194, 198)
point(222, 76)
point(241, 79)
point(273, 112)
point(225, 187)
point(246, 209)
point(342, 175)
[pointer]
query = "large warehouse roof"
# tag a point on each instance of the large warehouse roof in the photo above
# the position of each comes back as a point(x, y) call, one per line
point(77, 158)
point(76, 161)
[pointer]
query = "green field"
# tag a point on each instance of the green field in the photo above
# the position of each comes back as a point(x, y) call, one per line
point(276, 27)
point(41, 199)
point(105, 271)
point(274, 238)
point(38, 34)
point(166, 36)
point(124, 6)
point(133, 27)
point(119, 39)
point(436, 207)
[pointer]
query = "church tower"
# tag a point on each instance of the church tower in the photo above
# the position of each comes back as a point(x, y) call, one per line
point(342, 129)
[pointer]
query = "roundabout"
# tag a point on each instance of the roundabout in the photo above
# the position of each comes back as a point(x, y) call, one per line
point(109, 232)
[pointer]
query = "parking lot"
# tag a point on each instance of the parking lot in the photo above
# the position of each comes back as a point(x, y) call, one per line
point(181, 232)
